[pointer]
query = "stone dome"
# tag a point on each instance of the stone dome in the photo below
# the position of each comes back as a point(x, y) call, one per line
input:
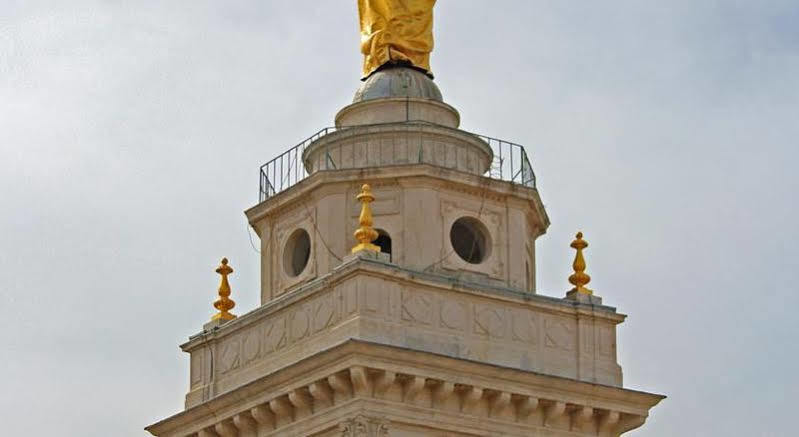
point(398, 82)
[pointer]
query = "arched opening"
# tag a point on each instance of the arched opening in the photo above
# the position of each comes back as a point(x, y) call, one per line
point(297, 252)
point(470, 239)
point(384, 242)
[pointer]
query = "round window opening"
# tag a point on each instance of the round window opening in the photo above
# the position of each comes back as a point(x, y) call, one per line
point(297, 252)
point(470, 239)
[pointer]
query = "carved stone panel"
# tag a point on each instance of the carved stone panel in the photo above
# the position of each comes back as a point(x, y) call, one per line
point(275, 334)
point(251, 346)
point(457, 323)
point(299, 324)
point(229, 356)
point(492, 218)
point(454, 315)
point(559, 334)
point(524, 326)
point(302, 217)
point(489, 321)
point(417, 307)
point(324, 312)
point(362, 426)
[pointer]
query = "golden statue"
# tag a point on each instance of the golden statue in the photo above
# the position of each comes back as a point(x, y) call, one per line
point(398, 32)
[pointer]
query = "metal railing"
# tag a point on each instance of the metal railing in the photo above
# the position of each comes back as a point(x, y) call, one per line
point(510, 162)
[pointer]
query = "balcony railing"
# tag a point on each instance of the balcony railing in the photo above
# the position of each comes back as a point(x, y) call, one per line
point(510, 162)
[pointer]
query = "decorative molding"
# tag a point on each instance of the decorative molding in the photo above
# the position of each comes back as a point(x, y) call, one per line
point(245, 423)
point(384, 382)
point(412, 388)
point(362, 426)
point(226, 428)
point(499, 330)
point(264, 416)
point(471, 399)
point(582, 416)
point(480, 328)
point(285, 226)
point(492, 218)
point(554, 411)
point(417, 390)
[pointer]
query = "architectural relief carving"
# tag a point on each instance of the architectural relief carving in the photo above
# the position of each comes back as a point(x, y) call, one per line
point(275, 334)
point(229, 356)
point(431, 393)
point(492, 217)
point(362, 426)
point(525, 326)
point(559, 335)
point(300, 324)
point(485, 329)
point(251, 345)
point(417, 307)
point(454, 315)
point(324, 312)
point(489, 321)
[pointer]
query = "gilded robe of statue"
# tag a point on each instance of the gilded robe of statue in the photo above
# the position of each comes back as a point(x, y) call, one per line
point(396, 31)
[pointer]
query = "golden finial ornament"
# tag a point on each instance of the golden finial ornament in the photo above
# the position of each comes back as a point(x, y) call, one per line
point(580, 279)
point(224, 304)
point(365, 234)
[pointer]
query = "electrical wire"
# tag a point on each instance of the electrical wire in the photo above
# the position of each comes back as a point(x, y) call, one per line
point(249, 235)
point(474, 241)
point(316, 229)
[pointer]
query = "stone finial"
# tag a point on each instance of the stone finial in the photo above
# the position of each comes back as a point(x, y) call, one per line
point(365, 234)
point(224, 304)
point(580, 279)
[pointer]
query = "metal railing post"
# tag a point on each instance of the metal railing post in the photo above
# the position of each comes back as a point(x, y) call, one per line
point(274, 180)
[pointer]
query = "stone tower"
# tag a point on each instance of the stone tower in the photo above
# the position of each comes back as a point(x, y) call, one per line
point(441, 332)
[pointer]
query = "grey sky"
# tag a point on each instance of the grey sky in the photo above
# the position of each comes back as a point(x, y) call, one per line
point(131, 135)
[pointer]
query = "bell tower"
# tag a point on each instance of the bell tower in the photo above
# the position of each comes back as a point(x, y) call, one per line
point(398, 292)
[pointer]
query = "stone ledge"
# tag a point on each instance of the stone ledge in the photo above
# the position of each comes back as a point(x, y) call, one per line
point(505, 190)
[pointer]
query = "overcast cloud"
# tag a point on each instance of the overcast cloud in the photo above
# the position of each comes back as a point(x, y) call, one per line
point(131, 134)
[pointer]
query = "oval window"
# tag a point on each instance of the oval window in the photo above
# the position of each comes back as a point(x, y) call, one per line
point(297, 252)
point(470, 240)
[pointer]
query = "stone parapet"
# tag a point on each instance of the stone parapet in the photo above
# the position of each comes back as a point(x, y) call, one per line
point(390, 144)
point(381, 303)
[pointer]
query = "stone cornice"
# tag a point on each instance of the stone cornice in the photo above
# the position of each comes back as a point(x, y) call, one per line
point(455, 387)
point(492, 188)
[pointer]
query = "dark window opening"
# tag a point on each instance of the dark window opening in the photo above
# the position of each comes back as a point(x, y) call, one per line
point(384, 242)
point(297, 252)
point(470, 240)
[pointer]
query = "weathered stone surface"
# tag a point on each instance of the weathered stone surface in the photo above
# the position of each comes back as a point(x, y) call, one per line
point(359, 388)
point(416, 205)
point(382, 303)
